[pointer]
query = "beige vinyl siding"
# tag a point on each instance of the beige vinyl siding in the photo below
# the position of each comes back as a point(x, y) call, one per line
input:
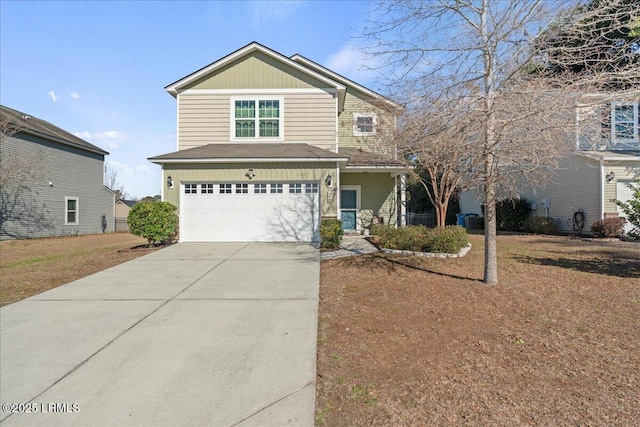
point(257, 71)
point(624, 171)
point(236, 173)
point(577, 185)
point(205, 118)
point(377, 195)
point(356, 102)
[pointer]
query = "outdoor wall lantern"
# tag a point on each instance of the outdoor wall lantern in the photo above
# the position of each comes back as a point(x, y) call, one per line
point(610, 176)
point(250, 174)
point(327, 181)
point(169, 182)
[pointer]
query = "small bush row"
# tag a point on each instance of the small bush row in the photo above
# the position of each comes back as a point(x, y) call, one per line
point(330, 233)
point(155, 221)
point(419, 238)
point(540, 225)
point(608, 227)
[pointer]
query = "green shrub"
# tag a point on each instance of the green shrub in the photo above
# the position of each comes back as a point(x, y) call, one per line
point(418, 238)
point(380, 229)
point(449, 240)
point(511, 214)
point(155, 221)
point(540, 225)
point(608, 227)
point(331, 233)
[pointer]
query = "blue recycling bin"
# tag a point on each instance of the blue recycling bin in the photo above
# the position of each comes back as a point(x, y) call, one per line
point(460, 219)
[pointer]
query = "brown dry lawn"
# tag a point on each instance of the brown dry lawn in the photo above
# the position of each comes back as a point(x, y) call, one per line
point(408, 341)
point(28, 267)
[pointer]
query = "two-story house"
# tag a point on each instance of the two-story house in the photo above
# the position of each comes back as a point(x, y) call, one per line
point(52, 182)
point(604, 161)
point(267, 145)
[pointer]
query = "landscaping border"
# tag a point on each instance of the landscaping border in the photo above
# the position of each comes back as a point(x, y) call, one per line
point(460, 254)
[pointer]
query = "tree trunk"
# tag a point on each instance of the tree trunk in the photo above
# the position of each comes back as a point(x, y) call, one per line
point(490, 223)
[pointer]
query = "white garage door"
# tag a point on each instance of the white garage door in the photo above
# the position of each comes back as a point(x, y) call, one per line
point(624, 194)
point(255, 212)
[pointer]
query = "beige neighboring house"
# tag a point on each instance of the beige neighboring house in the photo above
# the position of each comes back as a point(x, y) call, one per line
point(122, 212)
point(267, 145)
point(606, 159)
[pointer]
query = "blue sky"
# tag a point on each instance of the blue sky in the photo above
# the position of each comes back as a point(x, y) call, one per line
point(98, 69)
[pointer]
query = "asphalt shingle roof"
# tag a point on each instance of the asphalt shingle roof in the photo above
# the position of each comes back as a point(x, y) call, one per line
point(27, 123)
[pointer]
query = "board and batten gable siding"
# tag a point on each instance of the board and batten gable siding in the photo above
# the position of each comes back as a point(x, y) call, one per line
point(72, 173)
point(377, 197)
point(576, 185)
point(204, 117)
point(256, 71)
point(355, 102)
point(264, 172)
point(624, 172)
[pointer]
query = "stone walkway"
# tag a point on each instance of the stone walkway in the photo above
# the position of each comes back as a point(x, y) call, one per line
point(351, 245)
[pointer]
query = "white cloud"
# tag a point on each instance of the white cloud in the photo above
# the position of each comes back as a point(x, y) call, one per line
point(75, 95)
point(269, 12)
point(353, 64)
point(53, 96)
point(108, 138)
point(138, 181)
point(143, 169)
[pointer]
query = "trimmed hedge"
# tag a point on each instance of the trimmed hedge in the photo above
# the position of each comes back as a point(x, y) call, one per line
point(540, 225)
point(155, 221)
point(608, 227)
point(418, 238)
point(331, 233)
point(512, 214)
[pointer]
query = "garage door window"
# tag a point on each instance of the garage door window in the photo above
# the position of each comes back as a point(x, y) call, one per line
point(190, 188)
point(311, 188)
point(260, 188)
point(295, 188)
point(225, 188)
point(206, 189)
point(276, 188)
point(242, 188)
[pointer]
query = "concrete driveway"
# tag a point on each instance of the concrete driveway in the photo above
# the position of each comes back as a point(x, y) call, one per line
point(193, 334)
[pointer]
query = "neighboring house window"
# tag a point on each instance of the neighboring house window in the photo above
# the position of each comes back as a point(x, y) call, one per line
point(190, 188)
point(71, 211)
point(260, 188)
point(295, 188)
point(276, 188)
point(364, 124)
point(206, 189)
point(257, 118)
point(225, 188)
point(625, 119)
point(242, 188)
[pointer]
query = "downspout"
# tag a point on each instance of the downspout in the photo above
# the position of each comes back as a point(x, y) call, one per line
point(602, 180)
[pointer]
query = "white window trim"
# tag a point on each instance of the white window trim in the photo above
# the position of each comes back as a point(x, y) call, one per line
point(356, 132)
point(635, 121)
point(257, 99)
point(66, 210)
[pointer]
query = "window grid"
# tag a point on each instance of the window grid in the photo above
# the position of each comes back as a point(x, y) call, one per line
point(625, 121)
point(242, 188)
point(260, 188)
point(266, 121)
point(190, 188)
point(206, 189)
point(275, 188)
point(225, 188)
point(71, 211)
point(295, 188)
point(311, 188)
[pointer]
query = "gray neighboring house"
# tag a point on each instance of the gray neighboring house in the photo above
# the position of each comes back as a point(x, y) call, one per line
point(52, 181)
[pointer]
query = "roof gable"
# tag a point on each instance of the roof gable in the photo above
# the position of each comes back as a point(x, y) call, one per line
point(41, 128)
point(261, 56)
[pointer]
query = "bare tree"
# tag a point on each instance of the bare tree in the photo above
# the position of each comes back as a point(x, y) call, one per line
point(479, 53)
point(112, 182)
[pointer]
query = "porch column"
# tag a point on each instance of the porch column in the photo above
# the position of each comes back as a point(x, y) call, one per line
point(403, 200)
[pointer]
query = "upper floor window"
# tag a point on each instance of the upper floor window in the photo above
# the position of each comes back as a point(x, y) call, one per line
point(625, 119)
point(257, 118)
point(364, 124)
